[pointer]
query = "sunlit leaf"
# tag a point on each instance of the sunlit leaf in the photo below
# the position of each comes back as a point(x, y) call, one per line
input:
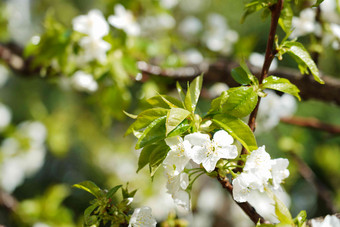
point(153, 133)
point(90, 187)
point(157, 157)
point(240, 76)
point(193, 93)
point(164, 101)
point(281, 84)
point(174, 118)
point(112, 191)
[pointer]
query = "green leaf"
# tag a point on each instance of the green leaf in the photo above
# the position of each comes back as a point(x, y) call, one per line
point(318, 2)
point(302, 57)
point(146, 117)
point(144, 157)
point(164, 101)
point(174, 118)
point(180, 92)
point(112, 191)
point(240, 76)
point(180, 129)
point(286, 16)
point(281, 211)
point(281, 84)
point(153, 133)
point(90, 187)
point(237, 129)
point(241, 101)
point(193, 93)
point(157, 157)
point(130, 115)
point(252, 7)
point(88, 218)
point(301, 218)
point(216, 104)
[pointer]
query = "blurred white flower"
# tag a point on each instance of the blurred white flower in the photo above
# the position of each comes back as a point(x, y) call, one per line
point(40, 224)
point(217, 88)
point(82, 81)
point(329, 221)
point(272, 108)
point(257, 60)
point(304, 24)
point(190, 26)
point(123, 19)
point(142, 217)
point(182, 198)
point(328, 10)
point(22, 157)
point(168, 4)
point(176, 186)
point(157, 23)
point(92, 24)
point(177, 157)
point(5, 116)
point(207, 151)
point(193, 6)
point(94, 49)
point(218, 37)
point(192, 56)
point(3, 76)
point(244, 184)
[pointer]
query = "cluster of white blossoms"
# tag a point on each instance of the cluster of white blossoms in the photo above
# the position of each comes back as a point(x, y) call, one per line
point(305, 24)
point(124, 19)
point(82, 81)
point(95, 27)
point(22, 154)
point(199, 148)
point(142, 217)
point(5, 116)
point(329, 221)
point(260, 171)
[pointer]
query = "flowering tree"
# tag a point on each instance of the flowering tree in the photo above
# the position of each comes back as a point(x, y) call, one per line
point(123, 60)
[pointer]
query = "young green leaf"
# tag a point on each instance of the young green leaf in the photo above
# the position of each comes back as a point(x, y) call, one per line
point(216, 104)
point(153, 133)
point(174, 118)
point(88, 218)
point(302, 57)
point(180, 92)
point(193, 93)
point(301, 218)
point(286, 17)
point(237, 129)
point(180, 129)
point(164, 101)
point(281, 211)
point(281, 84)
point(240, 76)
point(241, 101)
point(145, 118)
point(90, 187)
point(144, 157)
point(112, 191)
point(157, 157)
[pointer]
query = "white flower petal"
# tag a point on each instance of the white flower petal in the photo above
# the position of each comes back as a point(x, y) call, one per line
point(142, 217)
point(197, 138)
point(222, 138)
point(182, 198)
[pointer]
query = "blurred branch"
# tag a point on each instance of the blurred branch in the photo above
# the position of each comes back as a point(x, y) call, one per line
point(307, 173)
point(311, 123)
point(246, 207)
point(8, 201)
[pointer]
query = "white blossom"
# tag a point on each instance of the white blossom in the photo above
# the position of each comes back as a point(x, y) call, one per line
point(82, 81)
point(192, 56)
point(177, 157)
point(94, 49)
point(123, 19)
point(304, 24)
point(258, 163)
point(217, 88)
point(329, 221)
point(93, 24)
point(207, 151)
point(279, 171)
point(5, 116)
point(176, 186)
point(244, 184)
point(142, 217)
point(182, 198)
point(3, 76)
point(190, 26)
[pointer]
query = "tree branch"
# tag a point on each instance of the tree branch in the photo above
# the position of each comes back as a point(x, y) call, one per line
point(311, 123)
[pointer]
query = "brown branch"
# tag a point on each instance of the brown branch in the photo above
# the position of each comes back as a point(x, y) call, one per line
point(311, 123)
point(8, 201)
point(246, 207)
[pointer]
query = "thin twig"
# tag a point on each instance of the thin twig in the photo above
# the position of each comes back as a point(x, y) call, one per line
point(8, 201)
point(308, 174)
point(311, 123)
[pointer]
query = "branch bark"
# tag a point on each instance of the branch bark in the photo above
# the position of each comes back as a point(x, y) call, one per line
point(311, 123)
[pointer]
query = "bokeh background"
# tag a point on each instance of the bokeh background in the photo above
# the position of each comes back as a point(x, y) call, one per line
point(53, 135)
